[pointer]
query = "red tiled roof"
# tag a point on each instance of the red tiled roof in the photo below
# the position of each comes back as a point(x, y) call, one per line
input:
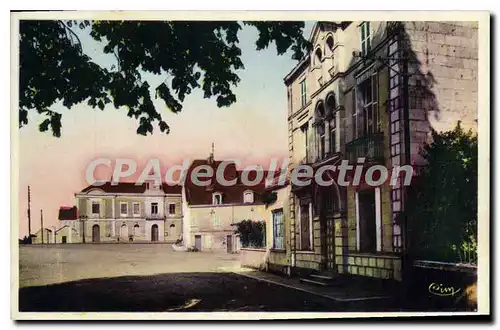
point(131, 188)
point(202, 195)
point(68, 213)
point(176, 189)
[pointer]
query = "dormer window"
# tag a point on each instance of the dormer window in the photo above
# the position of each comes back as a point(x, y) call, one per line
point(152, 185)
point(248, 197)
point(217, 199)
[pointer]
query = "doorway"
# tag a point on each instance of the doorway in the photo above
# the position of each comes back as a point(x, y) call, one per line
point(197, 242)
point(96, 234)
point(154, 233)
point(124, 231)
point(229, 243)
point(367, 221)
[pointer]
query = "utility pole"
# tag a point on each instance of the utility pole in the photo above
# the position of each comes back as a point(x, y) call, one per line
point(41, 220)
point(29, 215)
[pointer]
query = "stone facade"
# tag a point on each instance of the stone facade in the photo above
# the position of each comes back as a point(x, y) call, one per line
point(371, 90)
point(213, 224)
point(210, 211)
point(128, 213)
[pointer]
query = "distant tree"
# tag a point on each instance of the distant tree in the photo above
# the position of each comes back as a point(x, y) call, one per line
point(199, 54)
point(26, 239)
point(442, 204)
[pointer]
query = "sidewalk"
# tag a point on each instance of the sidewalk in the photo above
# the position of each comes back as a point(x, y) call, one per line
point(340, 293)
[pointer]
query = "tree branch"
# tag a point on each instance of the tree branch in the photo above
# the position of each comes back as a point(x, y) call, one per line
point(73, 33)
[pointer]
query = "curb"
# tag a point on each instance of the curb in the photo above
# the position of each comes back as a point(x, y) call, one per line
point(312, 292)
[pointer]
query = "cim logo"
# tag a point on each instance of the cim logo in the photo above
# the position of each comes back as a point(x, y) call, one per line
point(440, 290)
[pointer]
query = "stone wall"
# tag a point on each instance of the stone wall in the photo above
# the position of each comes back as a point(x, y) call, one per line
point(385, 267)
point(444, 72)
point(254, 258)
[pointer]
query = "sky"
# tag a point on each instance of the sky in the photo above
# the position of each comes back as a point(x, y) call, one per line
point(253, 129)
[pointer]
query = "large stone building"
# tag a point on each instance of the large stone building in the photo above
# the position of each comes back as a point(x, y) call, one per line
point(371, 90)
point(211, 210)
point(127, 212)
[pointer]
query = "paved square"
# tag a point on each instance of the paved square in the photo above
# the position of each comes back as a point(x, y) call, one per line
point(148, 278)
point(50, 264)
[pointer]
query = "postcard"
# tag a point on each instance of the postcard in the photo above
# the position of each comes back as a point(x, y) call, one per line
point(249, 165)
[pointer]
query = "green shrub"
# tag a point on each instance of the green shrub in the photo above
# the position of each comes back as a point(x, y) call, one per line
point(442, 204)
point(252, 233)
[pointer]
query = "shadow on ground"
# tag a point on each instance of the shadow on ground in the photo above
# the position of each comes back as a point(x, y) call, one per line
point(177, 292)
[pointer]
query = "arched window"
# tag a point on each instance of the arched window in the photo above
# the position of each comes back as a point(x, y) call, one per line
point(137, 230)
point(329, 43)
point(172, 230)
point(331, 107)
point(319, 55)
point(248, 197)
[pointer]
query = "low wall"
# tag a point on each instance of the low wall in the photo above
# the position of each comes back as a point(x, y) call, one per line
point(373, 265)
point(253, 258)
point(442, 286)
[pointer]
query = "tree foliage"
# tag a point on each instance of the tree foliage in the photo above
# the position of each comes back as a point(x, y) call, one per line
point(442, 205)
point(252, 233)
point(269, 197)
point(189, 54)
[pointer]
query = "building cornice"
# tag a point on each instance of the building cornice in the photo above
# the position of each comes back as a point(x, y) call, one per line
point(223, 205)
point(104, 194)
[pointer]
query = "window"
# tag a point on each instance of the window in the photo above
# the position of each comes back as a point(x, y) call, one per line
point(333, 135)
point(96, 207)
point(278, 230)
point(305, 226)
point(366, 45)
point(216, 220)
point(123, 208)
point(320, 129)
point(137, 231)
point(355, 114)
point(171, 208)
point(172, 230)
point(368, 220)
point(329, 43)
point(154, 208)
point(330, 198)
point(136, 209)
point(303, 93)
point(248, 197)
point(371, 121)
point(152, 185)
point(216, 199)
point(305, 130)
point(319, 55)
point(321, 134)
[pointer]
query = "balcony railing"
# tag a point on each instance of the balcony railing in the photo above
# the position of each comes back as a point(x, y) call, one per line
point(369, 147)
